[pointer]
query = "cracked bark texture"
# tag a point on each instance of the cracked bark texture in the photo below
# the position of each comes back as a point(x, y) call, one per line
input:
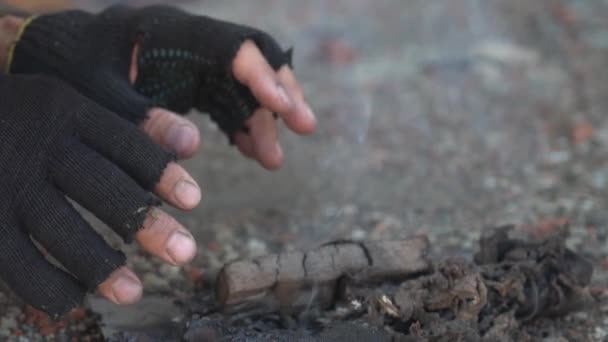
point(294, 281)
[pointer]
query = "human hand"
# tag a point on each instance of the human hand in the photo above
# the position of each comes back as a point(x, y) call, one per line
point(57, 143)
point(238, 74)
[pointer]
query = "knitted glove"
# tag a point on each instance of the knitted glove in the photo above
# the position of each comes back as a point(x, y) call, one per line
point(185, 61)
point(57, 143)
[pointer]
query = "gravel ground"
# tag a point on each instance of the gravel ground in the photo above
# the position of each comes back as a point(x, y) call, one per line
point(439, 117)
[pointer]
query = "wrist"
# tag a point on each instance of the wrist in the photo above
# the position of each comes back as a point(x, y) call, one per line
point(10, 27)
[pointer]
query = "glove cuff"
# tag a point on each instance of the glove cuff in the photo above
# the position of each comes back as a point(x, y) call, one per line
point(11, 50)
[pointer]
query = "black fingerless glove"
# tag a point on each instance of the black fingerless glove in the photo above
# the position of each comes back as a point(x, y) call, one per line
point(55, 143)
point(185, 61)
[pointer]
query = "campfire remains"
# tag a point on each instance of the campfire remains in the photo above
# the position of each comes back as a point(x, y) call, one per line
point(391, 291)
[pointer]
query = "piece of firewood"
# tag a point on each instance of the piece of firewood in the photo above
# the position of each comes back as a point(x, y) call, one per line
point(293, 281)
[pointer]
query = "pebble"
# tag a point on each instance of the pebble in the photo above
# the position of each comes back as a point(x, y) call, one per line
point(349, 210)
point(230, 253)
point(358, 235)
point(490, 183)
point(257, 247)
point(558, 157)
point(154, 282)
point(598, 39)
point(169, 271)
point(599, 180)
point(600, 333)
point(506, 53)
point(7, 324)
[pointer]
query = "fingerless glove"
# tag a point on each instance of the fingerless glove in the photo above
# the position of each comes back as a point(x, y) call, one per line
point(57, 144)
point(185, 61)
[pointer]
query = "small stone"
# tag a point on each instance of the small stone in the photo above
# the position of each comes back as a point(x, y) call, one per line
point(338, 51)
point(170, 272)
point(490, 183)
point(6, 325)
point(154, 282)
point(358, 235)
point(506, 53)
point(600, 333)
point(349, 210)
point(558, 157)
point(598, 39)
point(599, 180)
point(257, 247)
point(581, 316)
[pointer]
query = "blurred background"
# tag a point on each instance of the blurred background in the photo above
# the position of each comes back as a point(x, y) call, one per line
point(441, 117)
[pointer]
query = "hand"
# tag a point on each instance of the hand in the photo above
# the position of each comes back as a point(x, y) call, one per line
point(262, 142)
point(184, 62)
point(57, 143)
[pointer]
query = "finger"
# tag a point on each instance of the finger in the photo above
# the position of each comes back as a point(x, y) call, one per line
point(102, 188)
point(178, 188)
point(173, 132)
point(265, 139)
point(121, 287)
point(245, 144)
point(301, 119)
point(124, 144)
point(251, 68)
point(145, 161)
point(164, 237)
point(38, 282)
point(60, 229)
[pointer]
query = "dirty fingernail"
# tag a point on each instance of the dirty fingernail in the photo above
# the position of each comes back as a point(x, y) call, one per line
point(126, 290)
point(181, 247)
point(283, 95)
point(180, 137)
point(187, 193)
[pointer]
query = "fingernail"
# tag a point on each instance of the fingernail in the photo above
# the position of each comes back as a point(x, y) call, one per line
point(278, 150)
point(126, 290)
point(187, 193)
point(180, 137)
point(181, 247)
point(309, 113)
point(279, 154)
point(283, 95)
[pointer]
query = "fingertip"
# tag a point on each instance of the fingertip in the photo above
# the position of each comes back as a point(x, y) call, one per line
point(301, 121)
point(188, 194)
point(177, 187)
point(164, 237)
point(308, 122)
point(181, 247)
point(122, 287)
point(184, 140)
point(173, 132)
point(271, 160)
point(252, 69)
